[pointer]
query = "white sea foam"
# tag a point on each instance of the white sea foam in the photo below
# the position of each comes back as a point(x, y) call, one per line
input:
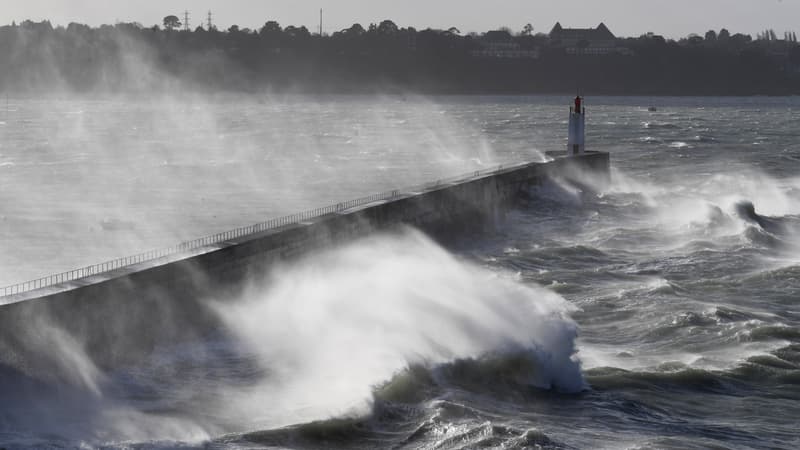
point(327, 330)
point(331, 327)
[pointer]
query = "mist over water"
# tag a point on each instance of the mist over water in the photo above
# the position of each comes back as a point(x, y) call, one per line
point(660, 311)
point(88, 180)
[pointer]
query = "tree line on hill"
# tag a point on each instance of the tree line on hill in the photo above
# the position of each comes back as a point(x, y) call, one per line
point(384, 57)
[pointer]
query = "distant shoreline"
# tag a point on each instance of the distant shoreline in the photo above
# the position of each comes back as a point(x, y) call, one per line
point(387, 59)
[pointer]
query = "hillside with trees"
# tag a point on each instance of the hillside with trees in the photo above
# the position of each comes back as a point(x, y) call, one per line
point(384, 57)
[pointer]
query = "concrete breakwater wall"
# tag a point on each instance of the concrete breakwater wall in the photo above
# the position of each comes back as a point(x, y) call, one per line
point(122, 314)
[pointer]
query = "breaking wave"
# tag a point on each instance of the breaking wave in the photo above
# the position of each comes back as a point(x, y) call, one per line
point(338, 336)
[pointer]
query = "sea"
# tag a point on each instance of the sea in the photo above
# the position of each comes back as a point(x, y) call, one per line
point(660, 310)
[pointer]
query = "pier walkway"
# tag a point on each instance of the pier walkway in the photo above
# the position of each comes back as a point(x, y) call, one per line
point(95, 273)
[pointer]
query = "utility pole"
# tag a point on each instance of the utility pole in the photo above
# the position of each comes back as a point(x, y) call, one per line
point(320, 22)
point(186, 20)
point(209, 24)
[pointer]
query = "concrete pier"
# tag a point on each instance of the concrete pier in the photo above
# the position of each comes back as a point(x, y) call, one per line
point(120, 312)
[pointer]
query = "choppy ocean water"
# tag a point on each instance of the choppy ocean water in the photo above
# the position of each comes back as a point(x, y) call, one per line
point(659, 311)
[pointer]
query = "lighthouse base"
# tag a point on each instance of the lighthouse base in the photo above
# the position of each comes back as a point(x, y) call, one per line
point(564, 153)
point(588, 165)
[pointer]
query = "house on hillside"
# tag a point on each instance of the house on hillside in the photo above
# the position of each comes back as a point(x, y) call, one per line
point(501, 44)
point(585, 41)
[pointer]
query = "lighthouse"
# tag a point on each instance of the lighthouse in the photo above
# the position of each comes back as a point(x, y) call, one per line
point(577, 126)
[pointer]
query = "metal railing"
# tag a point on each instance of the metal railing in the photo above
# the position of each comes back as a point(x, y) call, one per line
point(108, 266)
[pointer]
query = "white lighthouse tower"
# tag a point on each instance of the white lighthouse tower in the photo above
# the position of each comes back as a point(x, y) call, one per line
point(577, 127)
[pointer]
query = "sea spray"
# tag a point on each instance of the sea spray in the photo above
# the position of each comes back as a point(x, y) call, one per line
point(684, 210)
point(63, 395)
point(319, 338)
point(332, 327)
